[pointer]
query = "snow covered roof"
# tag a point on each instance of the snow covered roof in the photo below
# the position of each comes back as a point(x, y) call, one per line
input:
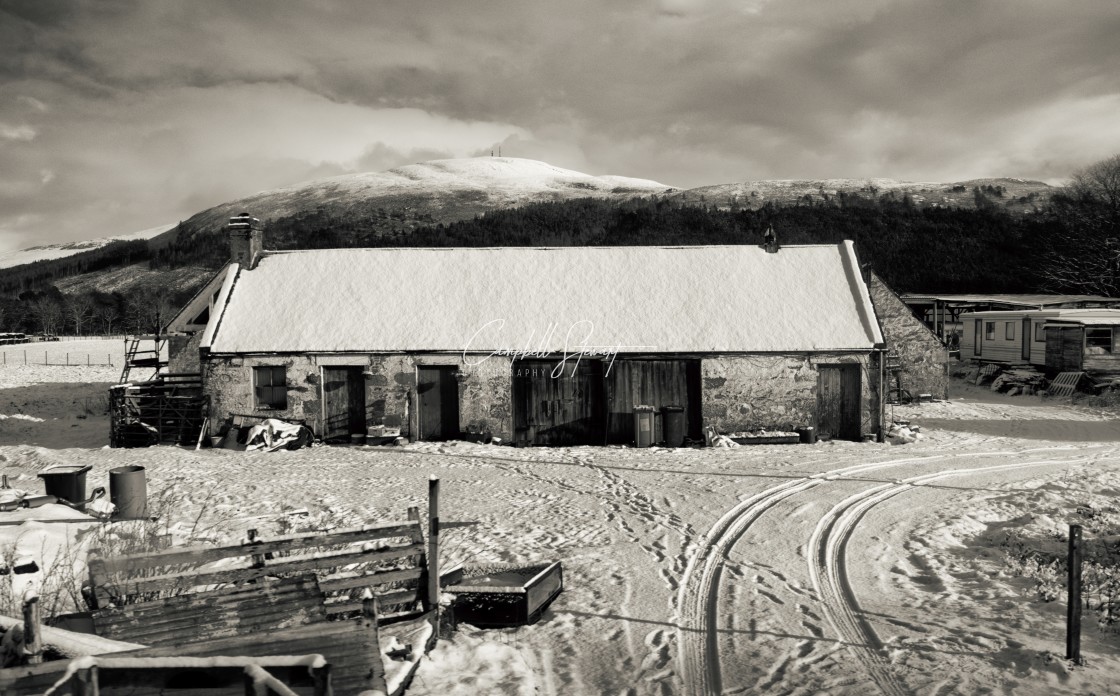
point(633, 299)
point(1085, 317)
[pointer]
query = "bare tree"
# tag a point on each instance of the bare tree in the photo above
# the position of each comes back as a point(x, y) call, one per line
point(1082, 254)
point(79, 309)
point(47, 313)
point(107, 314)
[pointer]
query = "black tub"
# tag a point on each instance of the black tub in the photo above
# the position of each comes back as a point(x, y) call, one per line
point(503, 594)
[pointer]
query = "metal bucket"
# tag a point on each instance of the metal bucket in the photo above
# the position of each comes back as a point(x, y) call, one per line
point(128, 490)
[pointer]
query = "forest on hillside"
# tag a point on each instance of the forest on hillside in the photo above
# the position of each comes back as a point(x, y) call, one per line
point(1070, 246)
point(912, 247)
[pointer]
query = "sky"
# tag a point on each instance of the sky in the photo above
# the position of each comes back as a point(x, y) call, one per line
point(120, 115)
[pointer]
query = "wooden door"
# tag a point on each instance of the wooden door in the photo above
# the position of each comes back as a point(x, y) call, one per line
point(1027, 338)
point(344, 402)
point(977, 337)
point(838, 401)
point(438, 409)
point(565, 409)
point(654, 383)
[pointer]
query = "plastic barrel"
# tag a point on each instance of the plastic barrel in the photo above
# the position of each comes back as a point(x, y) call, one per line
point(672, 423)
point(808, 434)
point(66, 482)
point(128, 490)
point(643, 426)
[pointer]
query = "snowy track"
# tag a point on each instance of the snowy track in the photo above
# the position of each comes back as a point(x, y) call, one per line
point(698, 597)
point(828, 547)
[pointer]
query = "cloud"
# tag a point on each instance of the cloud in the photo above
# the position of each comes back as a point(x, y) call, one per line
point(25, 133)
point(210, 100)
point(32, 102)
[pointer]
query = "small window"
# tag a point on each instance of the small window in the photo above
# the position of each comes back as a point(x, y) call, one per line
point(1039, 332)
point(1098, 341)
point(1009, 330)
point(270, 385)
point(989, 330)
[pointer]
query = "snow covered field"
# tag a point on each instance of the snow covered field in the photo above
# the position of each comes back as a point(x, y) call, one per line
point(799, 569)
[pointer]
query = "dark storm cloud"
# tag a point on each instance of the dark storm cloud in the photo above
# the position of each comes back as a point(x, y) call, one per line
point(164, 107)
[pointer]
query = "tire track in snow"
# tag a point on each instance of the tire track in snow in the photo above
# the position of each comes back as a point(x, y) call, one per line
point(827, 566)
point(698, 596)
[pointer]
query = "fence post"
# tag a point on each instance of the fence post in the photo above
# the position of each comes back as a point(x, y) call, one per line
point(433, 542)
point(1073, 585)
point(32, 641)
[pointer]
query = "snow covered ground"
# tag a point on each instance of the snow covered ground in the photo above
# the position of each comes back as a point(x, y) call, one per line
point(799, 569)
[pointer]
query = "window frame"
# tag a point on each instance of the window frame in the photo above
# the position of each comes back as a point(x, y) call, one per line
point(1009, 330)
point(1039, 328)
point(989, 331)
point(272, 396)
point(1107, 349)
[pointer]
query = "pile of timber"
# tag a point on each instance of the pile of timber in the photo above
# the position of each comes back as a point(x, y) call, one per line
point(1019, 381)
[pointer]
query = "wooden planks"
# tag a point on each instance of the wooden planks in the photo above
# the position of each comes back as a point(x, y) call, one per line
point(269, 605)
point(198, 555)
point(351, 647)
point(1065, 384)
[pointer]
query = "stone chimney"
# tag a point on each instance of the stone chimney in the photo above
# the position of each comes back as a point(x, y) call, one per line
point(245, 234)
point(770, 241)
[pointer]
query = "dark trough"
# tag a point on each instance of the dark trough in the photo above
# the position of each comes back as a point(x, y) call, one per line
point(503, 594)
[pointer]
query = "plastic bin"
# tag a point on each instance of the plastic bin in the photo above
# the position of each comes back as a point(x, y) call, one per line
point(66, 482)
point(672, 425)
point(128, 490)
point(808, 434)
point(643, 426)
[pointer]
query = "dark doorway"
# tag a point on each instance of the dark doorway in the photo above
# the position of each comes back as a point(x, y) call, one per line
point(558, 406)
point(838, 401)
point(344, 402)
point(978, 337)
point(438, 409)
point(654, 383)
point(1027, 339)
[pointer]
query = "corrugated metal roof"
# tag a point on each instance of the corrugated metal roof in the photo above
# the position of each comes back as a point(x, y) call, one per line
point(1028, 300)
point(1076, 316)
point(633, 299)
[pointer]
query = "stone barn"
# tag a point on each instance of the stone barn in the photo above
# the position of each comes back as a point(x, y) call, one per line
point(538, 346)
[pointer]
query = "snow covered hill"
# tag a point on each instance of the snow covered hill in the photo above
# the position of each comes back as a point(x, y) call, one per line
point(434, 192)
point(47, 252)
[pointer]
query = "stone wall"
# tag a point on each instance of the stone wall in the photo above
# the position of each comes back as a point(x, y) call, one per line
point(777, 392)
point(485, 399)
point(925, 361)
point(773, 392)
point(182, 352)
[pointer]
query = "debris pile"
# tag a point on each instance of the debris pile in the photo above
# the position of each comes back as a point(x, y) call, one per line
point(1019, 381)
point(1009, 380)
point(902, 433)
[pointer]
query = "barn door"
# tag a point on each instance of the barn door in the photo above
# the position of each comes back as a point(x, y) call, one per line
point(344, 402)
point(654, 383)
point(438, 393)
point(1027, 338)
point(565, 409)
point(838, 401)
